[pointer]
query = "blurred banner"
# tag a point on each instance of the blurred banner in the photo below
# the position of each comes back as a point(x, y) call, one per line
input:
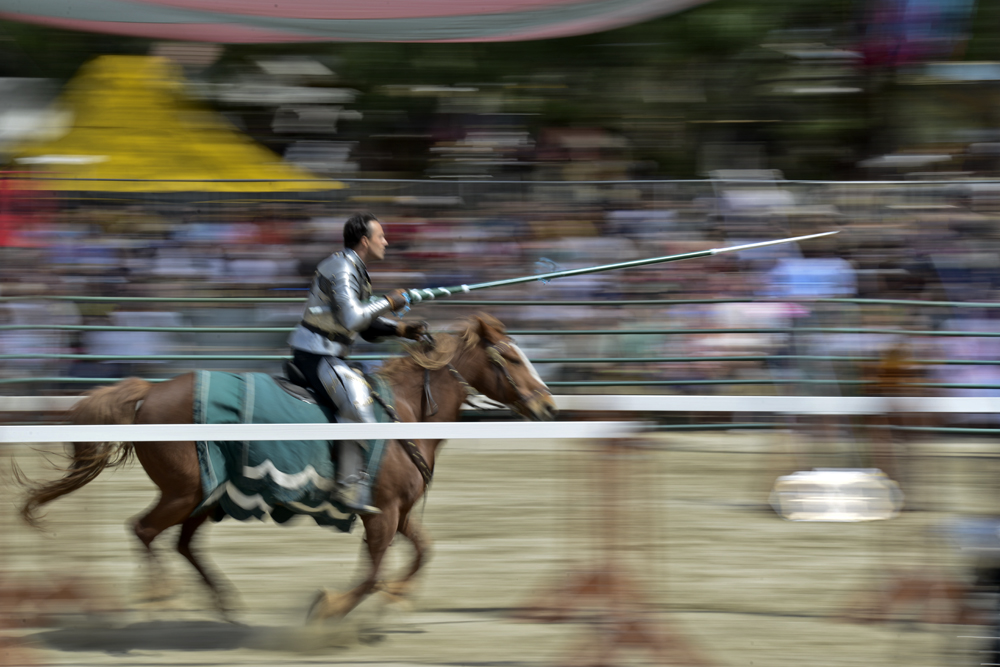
point(257, 21)
point(898, 32)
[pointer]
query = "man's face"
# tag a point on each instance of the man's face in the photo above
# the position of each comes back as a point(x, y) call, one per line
point(376, 241)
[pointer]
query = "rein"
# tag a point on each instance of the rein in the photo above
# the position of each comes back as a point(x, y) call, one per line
point(496, 357)
point(428, 397)
point(495, 354)
point(409, 446)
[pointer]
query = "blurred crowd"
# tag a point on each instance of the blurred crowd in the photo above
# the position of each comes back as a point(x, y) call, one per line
point(930, 243)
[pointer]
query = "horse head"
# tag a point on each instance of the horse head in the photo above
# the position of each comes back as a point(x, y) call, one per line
point(494, 365)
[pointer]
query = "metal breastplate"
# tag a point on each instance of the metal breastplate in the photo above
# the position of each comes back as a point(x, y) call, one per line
point(340, 303)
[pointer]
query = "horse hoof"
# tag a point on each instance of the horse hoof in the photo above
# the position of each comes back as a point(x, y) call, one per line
point(398, 596)
point(229, 604)
point(401, 603)
point(322, 606)
point(230, 615)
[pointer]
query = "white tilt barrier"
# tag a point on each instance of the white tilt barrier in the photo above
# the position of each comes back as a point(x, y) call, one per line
point(507, 430)
point(828, 405)
point(819, 495)
point(831, 405)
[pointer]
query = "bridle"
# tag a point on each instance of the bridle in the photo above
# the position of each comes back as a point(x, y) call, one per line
point(495, 352)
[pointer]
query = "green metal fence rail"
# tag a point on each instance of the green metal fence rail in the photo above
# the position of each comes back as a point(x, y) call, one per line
point(501, 302)
point(531, 332)
point(547, 360)
point(770, 359)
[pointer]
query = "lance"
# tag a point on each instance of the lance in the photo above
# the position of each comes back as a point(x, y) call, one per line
point(418, 295)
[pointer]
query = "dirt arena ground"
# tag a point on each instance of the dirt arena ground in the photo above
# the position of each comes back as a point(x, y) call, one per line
point(524, 534)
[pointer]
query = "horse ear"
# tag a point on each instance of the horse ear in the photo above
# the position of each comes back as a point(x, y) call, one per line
point(489, 328)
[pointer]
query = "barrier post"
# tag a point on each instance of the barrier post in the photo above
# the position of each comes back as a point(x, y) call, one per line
point(606, 590)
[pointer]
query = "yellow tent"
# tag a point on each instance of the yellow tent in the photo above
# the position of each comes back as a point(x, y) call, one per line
point(131, 120)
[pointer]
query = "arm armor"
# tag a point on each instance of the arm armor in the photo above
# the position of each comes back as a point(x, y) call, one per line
point(380, 328)
point(343, 282)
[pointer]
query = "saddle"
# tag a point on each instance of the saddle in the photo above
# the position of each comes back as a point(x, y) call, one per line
point(295, 384)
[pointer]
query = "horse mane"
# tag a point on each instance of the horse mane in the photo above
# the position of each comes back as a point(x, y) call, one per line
point(420, 356)
point(446, 347)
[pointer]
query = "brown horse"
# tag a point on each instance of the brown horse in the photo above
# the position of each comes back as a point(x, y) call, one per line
point(480, 354)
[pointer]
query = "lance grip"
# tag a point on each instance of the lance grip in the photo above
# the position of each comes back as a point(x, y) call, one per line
point(431, 293)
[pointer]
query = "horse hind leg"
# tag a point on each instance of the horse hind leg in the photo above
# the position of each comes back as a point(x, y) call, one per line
point(173, 508)
point(171, 465)
point(222, 592)
point(379, 531)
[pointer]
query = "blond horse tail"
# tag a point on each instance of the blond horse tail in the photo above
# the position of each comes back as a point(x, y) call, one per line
point(116, 404)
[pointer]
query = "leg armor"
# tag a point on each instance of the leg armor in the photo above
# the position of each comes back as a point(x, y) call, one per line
point(351, 395)
point(347, 389)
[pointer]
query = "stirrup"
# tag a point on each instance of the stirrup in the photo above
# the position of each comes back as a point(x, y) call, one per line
point(357, 497)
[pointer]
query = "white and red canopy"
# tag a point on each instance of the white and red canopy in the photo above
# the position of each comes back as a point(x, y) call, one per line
point(262, 21)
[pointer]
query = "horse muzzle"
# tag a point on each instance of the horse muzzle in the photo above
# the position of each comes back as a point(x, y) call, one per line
point(540, 406)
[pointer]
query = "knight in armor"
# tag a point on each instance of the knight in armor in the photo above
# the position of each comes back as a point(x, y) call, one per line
point(341, 306)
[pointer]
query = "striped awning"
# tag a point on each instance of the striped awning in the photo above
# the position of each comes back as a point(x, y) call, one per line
point(261, 21)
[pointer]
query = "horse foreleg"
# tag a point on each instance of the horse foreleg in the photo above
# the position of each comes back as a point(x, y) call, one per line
point(379, 531)
point(222, 592)
point(413, 531)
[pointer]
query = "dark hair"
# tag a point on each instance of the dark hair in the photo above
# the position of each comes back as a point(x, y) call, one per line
point(356, 228)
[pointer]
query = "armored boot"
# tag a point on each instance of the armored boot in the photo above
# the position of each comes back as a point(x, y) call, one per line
point(354, 489)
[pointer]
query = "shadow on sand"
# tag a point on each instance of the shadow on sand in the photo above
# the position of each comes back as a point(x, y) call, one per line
point(204, 636)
